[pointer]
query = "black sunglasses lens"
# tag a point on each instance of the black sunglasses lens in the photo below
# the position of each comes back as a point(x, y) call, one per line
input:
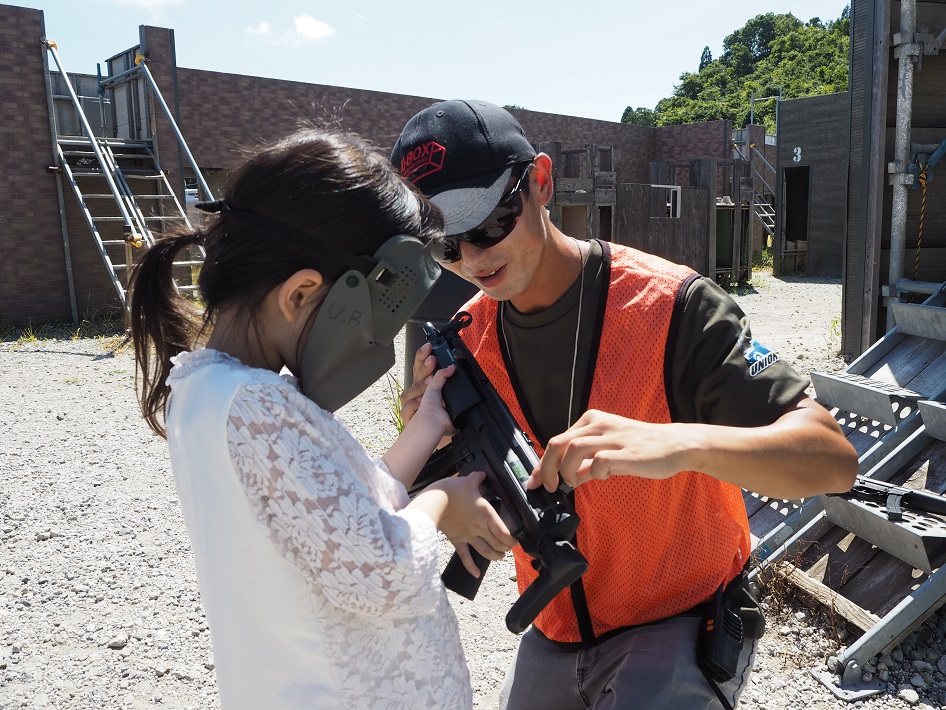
point(446, 251)
point(497, 227)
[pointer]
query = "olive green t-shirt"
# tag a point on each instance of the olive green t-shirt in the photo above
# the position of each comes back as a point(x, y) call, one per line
point(715, 372)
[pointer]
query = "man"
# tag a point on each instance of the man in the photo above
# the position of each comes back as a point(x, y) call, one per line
point(643, 384)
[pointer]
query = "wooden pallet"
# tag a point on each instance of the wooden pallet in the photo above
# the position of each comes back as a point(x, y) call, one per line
point(899, 384)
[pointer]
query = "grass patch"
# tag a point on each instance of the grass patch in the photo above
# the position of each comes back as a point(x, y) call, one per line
point(833, 338)
point(763, 260)
point(393, 402)
point(105, 326)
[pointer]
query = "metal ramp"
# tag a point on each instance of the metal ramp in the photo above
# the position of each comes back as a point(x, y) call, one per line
point(122, 191)
point(882, 577)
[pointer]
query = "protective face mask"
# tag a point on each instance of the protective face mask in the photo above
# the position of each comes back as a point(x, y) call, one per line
point(351, 343)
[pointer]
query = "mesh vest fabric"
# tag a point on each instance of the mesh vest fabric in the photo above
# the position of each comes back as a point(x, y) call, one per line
point(655, 548)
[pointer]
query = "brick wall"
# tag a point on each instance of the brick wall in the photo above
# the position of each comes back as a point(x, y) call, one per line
point(33, 280)
point(247, 110)
point(221, 116)
point(712, 139)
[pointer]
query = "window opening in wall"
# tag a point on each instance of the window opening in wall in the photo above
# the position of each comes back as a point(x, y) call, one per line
point(575, 221)
point(670, 199)
point(797, 181)
point(572, 168)
point(604, 223)
point(604, 160)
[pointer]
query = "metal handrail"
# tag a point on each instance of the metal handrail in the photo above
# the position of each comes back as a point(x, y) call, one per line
point(90, 134)
point(756, 172)
point(142, 63)
point(759, 175)
point(762, 157)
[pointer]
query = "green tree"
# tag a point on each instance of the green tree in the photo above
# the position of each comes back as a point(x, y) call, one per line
point(770, 52)
point(705, 58)
point(639, 116)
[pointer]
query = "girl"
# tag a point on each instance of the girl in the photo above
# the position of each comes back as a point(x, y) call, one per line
point(318, 575)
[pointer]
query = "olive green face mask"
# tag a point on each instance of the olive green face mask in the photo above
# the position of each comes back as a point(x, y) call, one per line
point(351, 343)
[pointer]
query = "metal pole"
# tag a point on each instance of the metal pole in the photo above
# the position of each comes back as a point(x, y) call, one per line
point(54, 132)
point(177, 132)
point(51, 47)
point(900, 179)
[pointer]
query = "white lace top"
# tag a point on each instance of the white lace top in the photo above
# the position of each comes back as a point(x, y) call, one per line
point(320, 589)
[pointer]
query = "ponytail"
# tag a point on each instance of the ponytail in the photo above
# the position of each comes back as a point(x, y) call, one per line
point(163, 324)
point(326, 183)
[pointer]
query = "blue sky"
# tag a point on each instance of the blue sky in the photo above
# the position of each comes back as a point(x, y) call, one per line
point(545, 56)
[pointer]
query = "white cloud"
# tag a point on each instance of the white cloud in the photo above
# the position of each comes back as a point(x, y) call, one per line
point(306, 29)
point(310, 29)
point(263, 29)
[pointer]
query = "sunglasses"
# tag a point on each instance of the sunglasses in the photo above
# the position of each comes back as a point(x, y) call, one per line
point(491, 232)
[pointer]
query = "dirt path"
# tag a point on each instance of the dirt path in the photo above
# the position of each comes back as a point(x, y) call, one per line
point(99, 605)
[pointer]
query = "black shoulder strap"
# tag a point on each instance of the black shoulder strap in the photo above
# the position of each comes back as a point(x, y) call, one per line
point(670, 346)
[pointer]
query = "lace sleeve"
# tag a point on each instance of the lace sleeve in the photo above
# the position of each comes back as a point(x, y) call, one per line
point(328, 508)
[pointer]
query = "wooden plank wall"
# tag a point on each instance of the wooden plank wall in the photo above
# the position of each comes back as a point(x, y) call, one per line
point(680, 240)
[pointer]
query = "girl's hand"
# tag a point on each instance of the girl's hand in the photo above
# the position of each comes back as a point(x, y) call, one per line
point(468, 519)
point(420, 436)
point(411, 397)
point(430, 406)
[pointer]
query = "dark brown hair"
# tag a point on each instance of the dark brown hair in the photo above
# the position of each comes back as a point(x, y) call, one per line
point(331, 184)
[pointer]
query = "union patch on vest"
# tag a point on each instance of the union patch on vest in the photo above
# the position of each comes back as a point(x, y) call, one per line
point(759, 357)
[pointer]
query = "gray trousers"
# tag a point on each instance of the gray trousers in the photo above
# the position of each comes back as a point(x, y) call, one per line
point(650, 667)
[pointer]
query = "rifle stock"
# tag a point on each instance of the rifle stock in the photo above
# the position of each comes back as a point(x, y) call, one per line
point(489, 439)
point(895, 498)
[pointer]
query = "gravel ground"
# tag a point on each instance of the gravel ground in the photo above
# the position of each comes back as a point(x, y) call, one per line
point(99, 606)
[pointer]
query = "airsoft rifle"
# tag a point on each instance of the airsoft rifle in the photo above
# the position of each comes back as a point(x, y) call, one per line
point(896, 499)
point(489, 439)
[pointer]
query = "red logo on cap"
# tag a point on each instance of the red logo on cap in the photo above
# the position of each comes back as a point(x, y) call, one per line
point(424, 160)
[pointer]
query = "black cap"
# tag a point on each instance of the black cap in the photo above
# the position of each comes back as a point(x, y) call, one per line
point(461, 154)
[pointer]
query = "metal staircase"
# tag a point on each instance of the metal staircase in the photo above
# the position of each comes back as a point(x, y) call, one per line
point(764, 212)
point(882, 576)
point(122, 191)
point(762, 208)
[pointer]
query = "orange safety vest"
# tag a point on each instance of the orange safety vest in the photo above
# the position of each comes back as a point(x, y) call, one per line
point(655, 548)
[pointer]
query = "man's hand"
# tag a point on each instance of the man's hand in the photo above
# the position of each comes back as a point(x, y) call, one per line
point(800, 454)
point(600, 445)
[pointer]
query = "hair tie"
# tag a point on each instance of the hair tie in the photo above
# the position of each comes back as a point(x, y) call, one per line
point(213, 206)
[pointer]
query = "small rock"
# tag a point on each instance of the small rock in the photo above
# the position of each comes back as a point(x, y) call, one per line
point(118, 642)
point(909, 695)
